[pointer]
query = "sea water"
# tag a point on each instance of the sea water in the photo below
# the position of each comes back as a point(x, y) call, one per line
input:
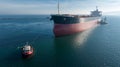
point(98, 47)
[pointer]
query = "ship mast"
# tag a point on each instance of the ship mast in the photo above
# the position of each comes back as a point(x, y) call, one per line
point(58, 7)
point(96, 8)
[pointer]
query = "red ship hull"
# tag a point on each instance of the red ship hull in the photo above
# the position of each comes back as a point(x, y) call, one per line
point(67, 29)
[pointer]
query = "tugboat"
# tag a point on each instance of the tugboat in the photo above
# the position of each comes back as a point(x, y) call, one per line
point(103, 21)
point(27, 51)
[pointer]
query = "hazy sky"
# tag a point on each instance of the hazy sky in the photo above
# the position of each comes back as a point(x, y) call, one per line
point(50, 6)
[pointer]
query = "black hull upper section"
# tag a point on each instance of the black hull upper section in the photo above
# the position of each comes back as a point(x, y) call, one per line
point(61, 19)
point(72, 19)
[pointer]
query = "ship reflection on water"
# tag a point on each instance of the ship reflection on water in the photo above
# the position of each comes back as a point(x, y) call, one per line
point(75, 40)
point(68, 49)
point(80, 38)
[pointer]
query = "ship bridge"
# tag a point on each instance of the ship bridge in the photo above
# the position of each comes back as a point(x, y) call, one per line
point(96, 13)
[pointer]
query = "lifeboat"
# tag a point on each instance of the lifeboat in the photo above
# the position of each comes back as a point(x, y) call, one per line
point(27, 51)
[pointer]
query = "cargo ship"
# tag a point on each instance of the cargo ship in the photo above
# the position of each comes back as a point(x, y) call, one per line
point(66, 24)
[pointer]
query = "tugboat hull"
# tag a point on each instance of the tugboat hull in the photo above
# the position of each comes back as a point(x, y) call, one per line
point(27, 55)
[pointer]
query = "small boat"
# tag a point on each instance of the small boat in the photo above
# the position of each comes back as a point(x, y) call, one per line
point(103, 21)
point(27, 51)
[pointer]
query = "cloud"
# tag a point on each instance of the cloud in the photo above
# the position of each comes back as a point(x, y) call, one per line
point(50, 7)
point(15, 8)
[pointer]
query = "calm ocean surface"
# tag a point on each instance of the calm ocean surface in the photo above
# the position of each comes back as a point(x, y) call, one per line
point(98, 47)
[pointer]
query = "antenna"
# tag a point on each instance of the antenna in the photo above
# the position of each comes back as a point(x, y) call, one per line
point(26, 43)
point(96, 7)
point(58, 7)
